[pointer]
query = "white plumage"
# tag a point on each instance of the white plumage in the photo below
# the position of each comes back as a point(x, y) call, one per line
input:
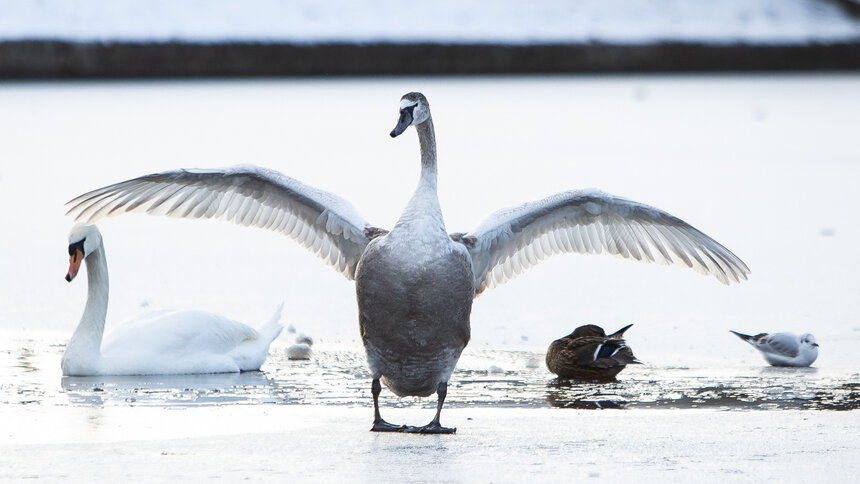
point(160, 342)
point(784, 349)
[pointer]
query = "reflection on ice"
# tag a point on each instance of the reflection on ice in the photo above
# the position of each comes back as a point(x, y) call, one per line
point(170, 390)
point(484, 378)
point(788, 370)
point(580, 396)
point(782, 390)
point(24, 359)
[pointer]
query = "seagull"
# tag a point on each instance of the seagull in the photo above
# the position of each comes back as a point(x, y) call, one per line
point(588, 354)
point(301, 349)
point(784, 349)
point(416, 282)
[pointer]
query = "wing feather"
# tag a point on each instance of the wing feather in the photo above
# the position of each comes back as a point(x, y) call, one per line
point(783, 344)
point(592, 222)
point(247, 195)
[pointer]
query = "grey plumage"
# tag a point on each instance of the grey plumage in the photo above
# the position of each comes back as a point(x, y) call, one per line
point(246, 195)
point(414, 321)
point(592, 222)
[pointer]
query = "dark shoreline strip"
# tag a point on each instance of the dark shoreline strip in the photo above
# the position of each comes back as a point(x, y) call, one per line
point(44, 59)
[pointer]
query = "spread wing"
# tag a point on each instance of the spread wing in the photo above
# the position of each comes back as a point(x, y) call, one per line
point(591, 222)
point(783, 344)
point(326, 224)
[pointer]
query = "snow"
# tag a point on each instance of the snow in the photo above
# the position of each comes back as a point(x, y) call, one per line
point(446, 21)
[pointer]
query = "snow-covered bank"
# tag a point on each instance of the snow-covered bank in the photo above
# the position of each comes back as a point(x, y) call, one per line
point(623, 22)
point(197, 38)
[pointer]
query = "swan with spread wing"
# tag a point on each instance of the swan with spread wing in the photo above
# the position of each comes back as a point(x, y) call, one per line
point(416, 283)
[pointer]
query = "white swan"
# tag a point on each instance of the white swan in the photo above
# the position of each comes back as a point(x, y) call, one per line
point(416, 284)
point(162, 342)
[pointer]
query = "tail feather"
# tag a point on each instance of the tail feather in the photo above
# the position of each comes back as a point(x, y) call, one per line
point(272, 328)
point(745, 337)
point(620, 332)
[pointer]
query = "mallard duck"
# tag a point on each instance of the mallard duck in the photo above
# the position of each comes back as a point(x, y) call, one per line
point(588, 354)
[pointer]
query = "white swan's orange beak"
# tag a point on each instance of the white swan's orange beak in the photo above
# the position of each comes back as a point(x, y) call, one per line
point(75, 259)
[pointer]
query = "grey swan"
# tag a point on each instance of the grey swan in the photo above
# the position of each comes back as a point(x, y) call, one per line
point(415, 284)
point(588, 354)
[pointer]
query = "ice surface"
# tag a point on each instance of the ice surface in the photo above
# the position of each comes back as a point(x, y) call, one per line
point(696, 146)
point(483, 378)
point(310, 421)
point(491, 445)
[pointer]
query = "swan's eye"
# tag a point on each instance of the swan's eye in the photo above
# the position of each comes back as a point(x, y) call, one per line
point(409, 109)
point(76, 246)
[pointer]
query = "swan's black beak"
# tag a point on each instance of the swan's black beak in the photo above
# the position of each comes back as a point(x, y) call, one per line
point(404, 121)
point(75, 259)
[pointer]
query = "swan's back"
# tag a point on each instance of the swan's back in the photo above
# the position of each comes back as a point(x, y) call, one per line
point(414, 303)
point(177, 332)
point(187, 341)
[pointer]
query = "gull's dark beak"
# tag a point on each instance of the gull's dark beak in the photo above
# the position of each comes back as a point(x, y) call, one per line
point(815, 344)
point(403, 123)
point(75, 259)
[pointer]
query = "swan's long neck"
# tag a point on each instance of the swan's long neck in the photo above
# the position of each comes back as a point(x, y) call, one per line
point(427, 140)
point(423, 212)
point(83, 353)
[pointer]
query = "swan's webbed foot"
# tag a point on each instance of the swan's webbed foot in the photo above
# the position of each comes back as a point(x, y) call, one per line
point(380, 425)
point(383, 426)
point(433, 427)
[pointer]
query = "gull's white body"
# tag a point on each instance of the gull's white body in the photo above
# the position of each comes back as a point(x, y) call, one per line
point(415, 285)
point(301, 350)
point(784, 349)
point(162, 342)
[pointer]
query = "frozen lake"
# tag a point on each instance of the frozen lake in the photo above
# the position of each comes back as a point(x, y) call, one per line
point(767, 165)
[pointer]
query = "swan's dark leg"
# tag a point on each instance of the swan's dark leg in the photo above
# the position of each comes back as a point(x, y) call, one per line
point(434, 427)
point(380, 425)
